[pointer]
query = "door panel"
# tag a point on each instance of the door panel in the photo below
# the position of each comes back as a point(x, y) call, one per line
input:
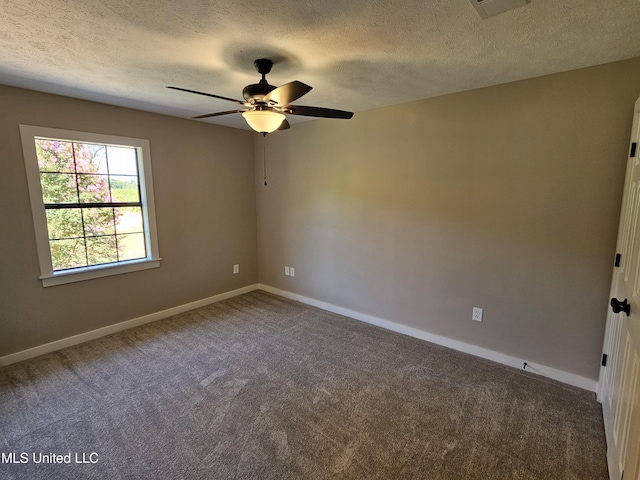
point(619, 384)
point(628, 385)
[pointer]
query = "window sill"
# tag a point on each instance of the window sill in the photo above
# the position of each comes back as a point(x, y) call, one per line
point(98, 271)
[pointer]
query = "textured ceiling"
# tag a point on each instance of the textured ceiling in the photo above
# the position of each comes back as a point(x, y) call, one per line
point(357, 54)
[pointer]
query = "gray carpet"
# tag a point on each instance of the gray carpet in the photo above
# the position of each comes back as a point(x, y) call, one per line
point(260, 387)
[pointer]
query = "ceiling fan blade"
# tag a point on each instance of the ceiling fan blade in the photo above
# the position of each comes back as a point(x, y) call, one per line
point(207, 94)
point(317, 112)
point(217, 114)
point(284, 125)
point(287, 93)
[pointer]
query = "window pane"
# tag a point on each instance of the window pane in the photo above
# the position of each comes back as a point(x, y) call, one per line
point(98, 221)
point(68, 253)
point(90, 158)
point(59, 188)
point(124, 188)
point(64, 223)
point(131, 246)
point(129, 220)
point(54, 155)
point(102, 250)
point(93, 188)
point(122, 160)
point(97, 194)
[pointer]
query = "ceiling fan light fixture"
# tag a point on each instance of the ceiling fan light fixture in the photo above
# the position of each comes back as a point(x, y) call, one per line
point(263, 121)
point(264, 104)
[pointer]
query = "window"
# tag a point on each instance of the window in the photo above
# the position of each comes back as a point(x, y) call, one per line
point(92, 203)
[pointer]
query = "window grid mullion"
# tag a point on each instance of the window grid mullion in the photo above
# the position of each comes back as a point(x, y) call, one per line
point(57, 206)
point(96, 236)
point(75, 171)
point(115, 233)
point(84, 237)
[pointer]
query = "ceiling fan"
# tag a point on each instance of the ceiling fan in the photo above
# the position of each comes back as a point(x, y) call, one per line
point(264, 105)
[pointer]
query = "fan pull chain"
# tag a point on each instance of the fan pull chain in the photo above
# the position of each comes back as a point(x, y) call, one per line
point(264, 158)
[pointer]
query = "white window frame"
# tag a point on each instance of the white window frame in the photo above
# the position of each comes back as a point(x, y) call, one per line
point(49, 278)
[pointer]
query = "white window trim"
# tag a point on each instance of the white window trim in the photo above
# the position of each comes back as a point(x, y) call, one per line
point(47, 275)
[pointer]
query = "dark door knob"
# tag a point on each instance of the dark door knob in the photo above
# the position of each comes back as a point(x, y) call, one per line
point(620, 306)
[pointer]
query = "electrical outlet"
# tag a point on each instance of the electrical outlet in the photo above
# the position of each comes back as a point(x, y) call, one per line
point(236, 269)
point(477, 314)
point(286, 271)
point(292, 271)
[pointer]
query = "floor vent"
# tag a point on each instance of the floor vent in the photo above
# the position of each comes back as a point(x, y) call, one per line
point(490, 8)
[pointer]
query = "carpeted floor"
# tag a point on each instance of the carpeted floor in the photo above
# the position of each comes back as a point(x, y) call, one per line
point(260, 387)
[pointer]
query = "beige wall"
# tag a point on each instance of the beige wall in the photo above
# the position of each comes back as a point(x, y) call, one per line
point(505, 198)
point(205, 205)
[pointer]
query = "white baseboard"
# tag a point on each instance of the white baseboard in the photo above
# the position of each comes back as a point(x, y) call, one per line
point(560, 375)
point(118, 327)
point(555, 374)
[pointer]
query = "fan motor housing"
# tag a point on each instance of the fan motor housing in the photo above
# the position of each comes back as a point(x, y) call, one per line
point(256, 91)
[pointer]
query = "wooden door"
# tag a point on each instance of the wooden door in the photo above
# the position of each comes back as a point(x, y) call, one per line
point(618, 387)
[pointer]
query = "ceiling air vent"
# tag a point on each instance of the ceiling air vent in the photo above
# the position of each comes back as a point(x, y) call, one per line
point(489, 8)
